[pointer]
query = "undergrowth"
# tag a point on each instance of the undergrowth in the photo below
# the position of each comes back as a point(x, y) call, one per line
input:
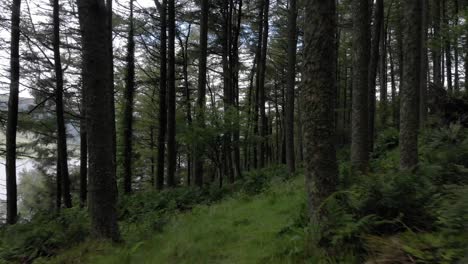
point(387, 216)
point(141, 216)
point(393, 216)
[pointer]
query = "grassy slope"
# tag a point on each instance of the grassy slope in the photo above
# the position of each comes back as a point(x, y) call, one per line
point(241, 229)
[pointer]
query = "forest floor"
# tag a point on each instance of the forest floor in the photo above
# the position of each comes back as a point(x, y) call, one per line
point(239, 229)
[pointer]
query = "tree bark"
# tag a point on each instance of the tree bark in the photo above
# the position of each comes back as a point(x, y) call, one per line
point(99, 118)
point(373, 66)
point(261, 88)
point(436, 54)
point(226, 11)
point(455, 48)
point(319, 92)
point(162, 97)
point(171, 98)
point(256, 105)
point(360, 107)
point(12, 121)
point(292, 49)
point(83, 153)
point(129, 94)
point(188, 103)
point(424, 65)
point(412, 19)
point(58, 186)
point(235, 67)
point(200, 111)
point(109, 24)
point(383, 72)
point(395, 97)
point(447, 47)
point(61, 130)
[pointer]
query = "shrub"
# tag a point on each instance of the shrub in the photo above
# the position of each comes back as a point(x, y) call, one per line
point(44, 235)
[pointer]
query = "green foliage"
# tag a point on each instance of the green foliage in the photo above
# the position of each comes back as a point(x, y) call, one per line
point(237, 230)
point(386, 140)
point(388, 216)
point(255, 182)
point(392, 216)
point(44, 235)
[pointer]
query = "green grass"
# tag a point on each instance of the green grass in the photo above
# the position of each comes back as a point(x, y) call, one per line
point(240, 229)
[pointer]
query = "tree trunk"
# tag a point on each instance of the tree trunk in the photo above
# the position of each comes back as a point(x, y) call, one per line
point(129, 94)
point(466, 54)
point(162, 97)
point(200, 111)
point(424, 66)
point(383, 72)
point(256, 105)
point(447, 47)
point(58, 186)
point(99, 119)
point(235, 67)
point(188, 104)
point(292, 47)
point(61, 129)
point(373, 66)
point(12, 121)
point(455, 48)
point(436, 55)
point(412, 15)
point(83, 153)
point(261, 88)
point(109, 29)
point(395, 97)
point(227, 88)
point(171, 98)
point(360, 107)
point(319, 92)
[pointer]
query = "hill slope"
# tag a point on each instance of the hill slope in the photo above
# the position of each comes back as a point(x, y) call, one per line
point(240, 229)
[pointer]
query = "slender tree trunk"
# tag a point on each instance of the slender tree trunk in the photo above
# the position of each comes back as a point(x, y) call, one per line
point(383, 72)
point(99, 118)
point(129, 94)
point(424, 65)
point(235, 67)
point(200, 111)
point(162, 97)
point(466, 52)
point(83, 153)
point(447, 47)
point(110, 27)
point(409, 110)
point(153, 158)
point(319, 88)
point(12, 121)
point(171, 98)
point(292, 47)
point(188, 103)
point(395, 100)
point(300, 129)
point(373, 66)
point(61, 130)
point(227, 88)
point(455, 48)
point(360, 116)
point(436, 54)
point(344, 100)
point(258, 55)
point(58, 186)
point(261, 89)
point(250, 116)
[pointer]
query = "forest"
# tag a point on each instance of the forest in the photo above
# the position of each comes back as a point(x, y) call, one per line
point(234, 131)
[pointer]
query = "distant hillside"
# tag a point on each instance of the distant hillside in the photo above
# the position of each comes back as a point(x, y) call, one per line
point(25, 104)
